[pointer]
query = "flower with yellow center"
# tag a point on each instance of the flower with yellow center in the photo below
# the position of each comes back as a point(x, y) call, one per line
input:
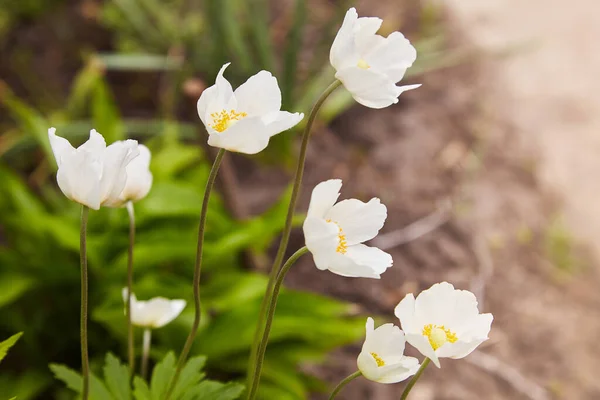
point(245, 119)
point(335, 233)
point(382, 357)
point(370, 65)
point(443, 322)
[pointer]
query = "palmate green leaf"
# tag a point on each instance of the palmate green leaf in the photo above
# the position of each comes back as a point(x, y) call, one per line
point(190, 376)
point(211, 390)
point(141, 390)
point(161, 376)
point(8, 343)
point(116, 376)
point(74, 381)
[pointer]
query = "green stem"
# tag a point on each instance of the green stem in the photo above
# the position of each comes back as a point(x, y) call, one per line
point(262, 348)
point(130, 344)
point(85, 363)
point(414, 379)
point(343, 383)
point(146, 352)
point(197, 271)
point(285, 236)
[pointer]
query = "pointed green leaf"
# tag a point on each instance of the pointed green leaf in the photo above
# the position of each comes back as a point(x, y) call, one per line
point(141, 390)
point(190, 376)
point(116, 376)
point(8, 343)
point(211, 390)
point(161, 376)
point(74, 381)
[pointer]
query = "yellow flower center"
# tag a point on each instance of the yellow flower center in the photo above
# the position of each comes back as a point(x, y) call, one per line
point(362, 64)
point(378, 360)
point(438, 335)
point(224, 119)
point(342, 247)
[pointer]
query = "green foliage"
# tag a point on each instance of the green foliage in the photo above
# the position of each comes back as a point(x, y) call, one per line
point(115, 384)
point(39, 275)
point(8, 343)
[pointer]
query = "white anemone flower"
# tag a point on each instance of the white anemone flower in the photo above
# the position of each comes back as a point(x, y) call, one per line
point(335, 233)
point(154, 313)
point(443, 322)
point(93, 174)
point(244, 120)
point(139, 179)
point(382, 357)
point(370, 65)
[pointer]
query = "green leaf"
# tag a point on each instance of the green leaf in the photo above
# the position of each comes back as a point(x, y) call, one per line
point(74, 381)
point(13, 286)
point(294, 43)
point(105, 114)
point(161, 376)
point(116, 376)
point(141, 390)
point(8, 343)
point(211, 390)
point(138, 62)
point(85, 83)
point(190, 376)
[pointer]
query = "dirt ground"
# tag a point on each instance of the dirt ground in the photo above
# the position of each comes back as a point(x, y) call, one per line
point(505, 160)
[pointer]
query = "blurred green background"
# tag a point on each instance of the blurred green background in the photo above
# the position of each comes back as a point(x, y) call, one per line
point(134, 68)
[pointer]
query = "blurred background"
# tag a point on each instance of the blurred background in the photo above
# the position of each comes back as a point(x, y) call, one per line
point(489, 172)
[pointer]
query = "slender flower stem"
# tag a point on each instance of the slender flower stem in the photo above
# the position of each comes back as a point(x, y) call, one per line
point(262, 348)
point(130, 344)
point(85, 363)
point(285, 236)
point(414, 379)
point(146, 352)
point(197, 271)
point(343, 383)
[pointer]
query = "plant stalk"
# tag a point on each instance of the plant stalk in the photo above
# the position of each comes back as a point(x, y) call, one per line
point(85, 362)
point(285, 236)
point(146, 352)
point(197, 271)
point(343, 383)
point(262, 348)
point(130, 344)
point(414, 379)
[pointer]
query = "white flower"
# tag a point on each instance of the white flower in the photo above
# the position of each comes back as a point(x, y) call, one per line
point(243, 121)
point(154, 313)
point(443, 322)
point(139, 179)
point(92, 174)
point(382, 357)
point(368, 64)
point(334, 233)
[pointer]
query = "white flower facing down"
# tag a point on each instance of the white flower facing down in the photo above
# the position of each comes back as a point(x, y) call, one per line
point(334, 233)
point(243, 121)
point(139, 179)
point(443, 322)
point(93, 174)
point(154, 313)
point(382, 357)
point(368, 64)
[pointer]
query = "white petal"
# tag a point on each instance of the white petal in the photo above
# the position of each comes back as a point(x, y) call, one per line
point(323, 197)
point(59, 145)
point(458, 349)
point(175, 308)
point(216, 98)
point(342, 265)
point(364, 33)
point(139, 178)
point(436, 305)
point(343, 50)
point(259, 95)
point(281, 121)
point(371, 257)
point(387, 341)
point(359, 221)
point(400, 371)
point(114, 174)
point(405, 312)
point(249, 135)
point(392, 56)
point(422, 344)
point(369, 87)
point(95, 144)
point(79, 178)
point(321, 240)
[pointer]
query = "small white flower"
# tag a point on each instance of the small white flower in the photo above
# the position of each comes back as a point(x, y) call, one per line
point(93, 174)
point(334, 233)
point(443, 322)
point(243, 121)
point(154, 313)
point(139, 179)
point(368, 64)
point(382, 357)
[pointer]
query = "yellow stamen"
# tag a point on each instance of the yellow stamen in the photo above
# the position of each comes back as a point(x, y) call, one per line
point(224, 119)
point(378, 360)
point(362, 64)
point(438, 335)
point(342, 247)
